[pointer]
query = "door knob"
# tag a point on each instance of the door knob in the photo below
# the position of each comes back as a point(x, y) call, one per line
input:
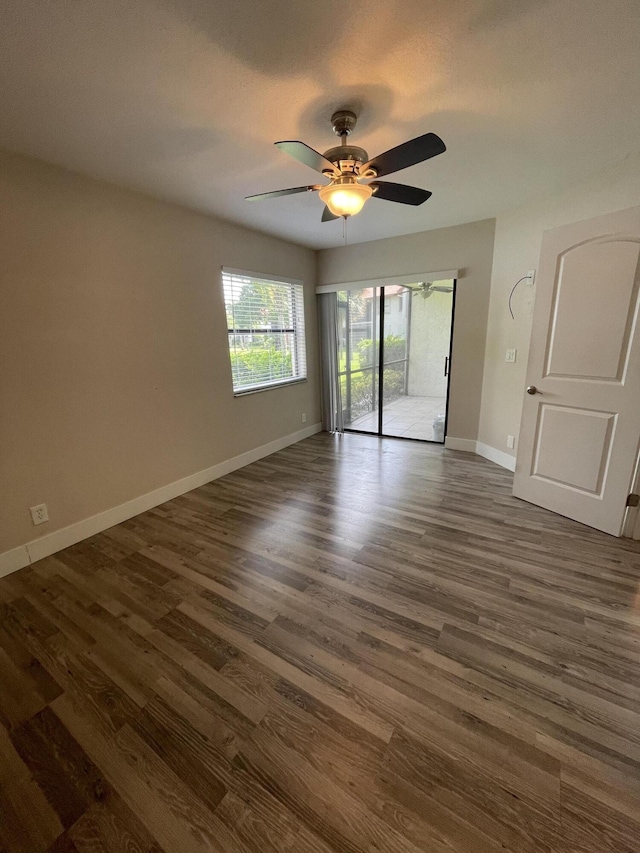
point(533, 390)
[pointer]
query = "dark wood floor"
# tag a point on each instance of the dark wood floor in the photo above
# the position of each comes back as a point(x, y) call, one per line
point(353, 645)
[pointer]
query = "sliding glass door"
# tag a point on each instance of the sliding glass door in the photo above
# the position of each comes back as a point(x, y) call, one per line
point(394, 356)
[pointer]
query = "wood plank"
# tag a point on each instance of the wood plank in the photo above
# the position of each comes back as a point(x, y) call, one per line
point(28, 823)
point(69, 780)
point(167, 807)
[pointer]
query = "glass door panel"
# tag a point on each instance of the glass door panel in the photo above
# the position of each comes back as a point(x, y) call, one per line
point(395, 358)
point(359, 320)
point(422, 411)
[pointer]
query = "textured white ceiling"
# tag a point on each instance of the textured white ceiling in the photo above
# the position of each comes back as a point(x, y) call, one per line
point(184, 98)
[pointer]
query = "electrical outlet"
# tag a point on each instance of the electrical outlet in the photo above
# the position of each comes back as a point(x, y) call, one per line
point(531, 275)
point(39, 513)
point(510, 356)
point(304, 417)
point(511, 441)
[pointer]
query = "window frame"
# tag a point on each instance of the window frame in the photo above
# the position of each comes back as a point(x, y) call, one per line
point(297, 294)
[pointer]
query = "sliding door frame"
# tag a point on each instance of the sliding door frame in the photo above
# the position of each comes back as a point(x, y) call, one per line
point(450, 358)
point(380, 362)
point(375, 284)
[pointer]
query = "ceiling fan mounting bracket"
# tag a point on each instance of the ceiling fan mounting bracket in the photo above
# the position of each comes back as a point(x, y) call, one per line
point(343, 122)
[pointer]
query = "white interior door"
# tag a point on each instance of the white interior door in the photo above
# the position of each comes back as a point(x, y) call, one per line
point(580, 428)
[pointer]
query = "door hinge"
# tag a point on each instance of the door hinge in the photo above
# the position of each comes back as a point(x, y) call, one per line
point(633, 500)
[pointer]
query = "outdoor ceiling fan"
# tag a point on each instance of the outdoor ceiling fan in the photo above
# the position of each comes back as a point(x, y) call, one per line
point(426, 290)
point(348, 166)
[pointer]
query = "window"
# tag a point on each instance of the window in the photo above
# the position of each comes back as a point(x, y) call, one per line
point(265, 323)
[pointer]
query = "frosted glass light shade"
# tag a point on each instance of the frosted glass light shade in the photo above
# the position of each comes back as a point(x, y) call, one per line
point(345, 199)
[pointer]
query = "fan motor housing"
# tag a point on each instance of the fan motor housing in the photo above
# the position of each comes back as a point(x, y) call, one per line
point(346, 152)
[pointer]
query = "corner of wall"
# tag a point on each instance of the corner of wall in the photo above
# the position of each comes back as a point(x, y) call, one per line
point(505, 460)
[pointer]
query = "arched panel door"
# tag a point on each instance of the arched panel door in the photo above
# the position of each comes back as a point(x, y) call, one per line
point(580, 429)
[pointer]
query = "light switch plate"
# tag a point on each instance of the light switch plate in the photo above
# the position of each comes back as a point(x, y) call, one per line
point(510, 356)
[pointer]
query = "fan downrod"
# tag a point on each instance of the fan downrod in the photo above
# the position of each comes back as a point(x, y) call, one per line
point(344, 156)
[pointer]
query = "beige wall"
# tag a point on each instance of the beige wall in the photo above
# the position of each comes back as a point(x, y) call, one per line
point(517, 249)
point(114, 370)
point(468, 248)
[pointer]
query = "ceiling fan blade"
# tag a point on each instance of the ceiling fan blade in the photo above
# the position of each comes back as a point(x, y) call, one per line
point(307, 155)
point(442, 289)
point(408, 154)
point(399, 192)
point(327, 216)
point(276, 193)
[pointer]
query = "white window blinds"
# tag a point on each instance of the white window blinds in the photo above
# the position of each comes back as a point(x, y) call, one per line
point(265, 324)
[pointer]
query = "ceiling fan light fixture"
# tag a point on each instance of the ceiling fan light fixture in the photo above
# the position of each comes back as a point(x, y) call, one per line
point(345, 197)
point(346, 165)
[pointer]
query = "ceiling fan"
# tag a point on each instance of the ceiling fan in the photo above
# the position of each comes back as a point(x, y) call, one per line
point(426, 290)
point(348, 166)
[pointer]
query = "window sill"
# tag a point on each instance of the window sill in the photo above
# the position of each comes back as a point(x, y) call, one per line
point(259, 389)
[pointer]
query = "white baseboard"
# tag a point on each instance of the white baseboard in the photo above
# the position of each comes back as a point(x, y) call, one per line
point(497, 456)
point(13, 560)
point(491, 453)
point(466, 444)
point(49, 544)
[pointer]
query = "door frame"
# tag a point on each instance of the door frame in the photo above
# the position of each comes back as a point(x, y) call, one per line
point(631, 523)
